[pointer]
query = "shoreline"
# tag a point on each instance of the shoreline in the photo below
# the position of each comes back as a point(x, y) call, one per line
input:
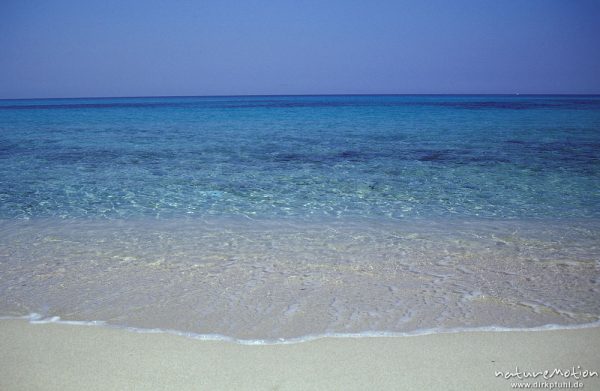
point(56, 356)
point(37, 319)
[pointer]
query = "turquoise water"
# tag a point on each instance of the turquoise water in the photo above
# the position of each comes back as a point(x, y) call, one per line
point(283, 218)
point(323, 156)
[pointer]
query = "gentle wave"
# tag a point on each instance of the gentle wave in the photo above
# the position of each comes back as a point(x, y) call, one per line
point(35, 318)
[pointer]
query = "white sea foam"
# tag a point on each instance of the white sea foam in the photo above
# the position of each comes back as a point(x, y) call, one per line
point(39, 319)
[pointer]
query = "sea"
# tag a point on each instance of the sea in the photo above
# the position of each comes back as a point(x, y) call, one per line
point(279, 219)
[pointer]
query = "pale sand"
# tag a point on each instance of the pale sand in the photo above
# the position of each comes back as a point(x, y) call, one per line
point(65, 357)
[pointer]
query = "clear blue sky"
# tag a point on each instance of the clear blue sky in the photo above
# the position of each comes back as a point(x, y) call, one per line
point(70, 48)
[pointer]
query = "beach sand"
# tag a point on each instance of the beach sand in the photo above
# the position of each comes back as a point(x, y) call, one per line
point(68, 357)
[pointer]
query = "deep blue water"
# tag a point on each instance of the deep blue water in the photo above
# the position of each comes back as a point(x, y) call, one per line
point(302, 156)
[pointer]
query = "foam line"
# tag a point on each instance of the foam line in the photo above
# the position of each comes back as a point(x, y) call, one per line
point(35, 318)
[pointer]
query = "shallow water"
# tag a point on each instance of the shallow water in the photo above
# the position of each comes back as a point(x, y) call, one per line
point(261, 218)
point(280, 279)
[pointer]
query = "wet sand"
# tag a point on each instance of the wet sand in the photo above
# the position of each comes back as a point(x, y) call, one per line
point(67, 357)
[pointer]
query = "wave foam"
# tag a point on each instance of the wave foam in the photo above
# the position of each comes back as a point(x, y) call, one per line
point(35, 318)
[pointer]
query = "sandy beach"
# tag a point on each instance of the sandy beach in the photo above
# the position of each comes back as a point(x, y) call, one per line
point(67, 357)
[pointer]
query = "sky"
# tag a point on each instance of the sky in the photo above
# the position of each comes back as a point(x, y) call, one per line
point(75, 48)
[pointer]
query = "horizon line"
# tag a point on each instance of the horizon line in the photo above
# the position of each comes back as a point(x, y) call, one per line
point(303, 95)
